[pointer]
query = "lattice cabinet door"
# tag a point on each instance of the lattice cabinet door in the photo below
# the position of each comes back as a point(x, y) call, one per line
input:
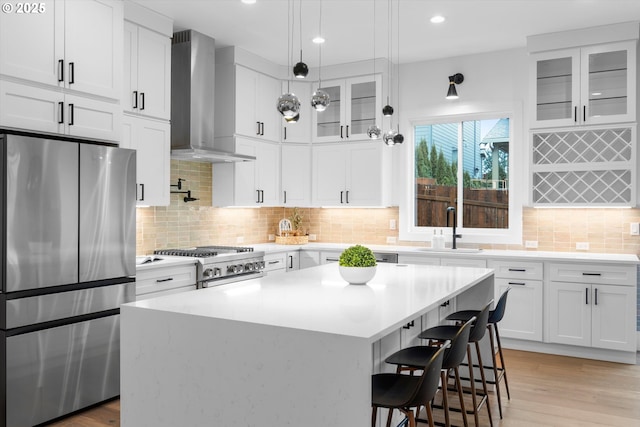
point(593, 167)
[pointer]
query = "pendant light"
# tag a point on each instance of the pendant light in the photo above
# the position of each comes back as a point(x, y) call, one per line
point(374, 131)
point(288, 103)
point(320, 99)
point(300, 70)
point(393, 136)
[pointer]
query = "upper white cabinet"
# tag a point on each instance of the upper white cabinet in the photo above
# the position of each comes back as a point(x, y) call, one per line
point(152, 141)
point(254, 183)
point(584, 86)
point(355, 104)
point(350, 175)
point(147, 72)
point(299, 131)
point(296, 174)
point(75, 45)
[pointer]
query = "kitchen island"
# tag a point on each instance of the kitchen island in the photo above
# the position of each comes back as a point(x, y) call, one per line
point(285, 349)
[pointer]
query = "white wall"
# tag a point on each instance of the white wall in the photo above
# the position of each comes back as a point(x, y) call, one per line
point(494, 81)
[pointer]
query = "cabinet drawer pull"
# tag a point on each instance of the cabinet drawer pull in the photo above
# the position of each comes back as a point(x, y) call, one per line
point(60, 70)
point(168, 279)
point(72, 73)
point(273, 262)
point(332, 259)
point(592, 274)
point(520, 270)
point(518, 283)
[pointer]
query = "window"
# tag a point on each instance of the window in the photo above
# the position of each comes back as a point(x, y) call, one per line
point(465, 164)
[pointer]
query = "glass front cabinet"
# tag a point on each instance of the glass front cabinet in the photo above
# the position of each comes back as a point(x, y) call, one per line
point(584, 86)
point(355, 104)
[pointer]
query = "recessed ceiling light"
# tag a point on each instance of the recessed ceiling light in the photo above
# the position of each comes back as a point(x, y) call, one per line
point(318, 40)
point(437, 19)
point(248, 1)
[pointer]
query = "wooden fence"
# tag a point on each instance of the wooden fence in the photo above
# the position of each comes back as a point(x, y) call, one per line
point(482, 208)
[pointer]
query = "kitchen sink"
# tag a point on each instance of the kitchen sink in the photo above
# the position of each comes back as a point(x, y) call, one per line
point(449, 250)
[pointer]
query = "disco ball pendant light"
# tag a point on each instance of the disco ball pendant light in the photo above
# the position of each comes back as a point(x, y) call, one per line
point(320, 99)
point(389, 137)
point(288, 103)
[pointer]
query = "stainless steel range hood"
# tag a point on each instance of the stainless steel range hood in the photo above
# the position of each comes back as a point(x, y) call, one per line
point(192, 101)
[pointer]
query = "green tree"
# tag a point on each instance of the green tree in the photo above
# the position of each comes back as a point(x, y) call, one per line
point(423, 166)
point(433, 161)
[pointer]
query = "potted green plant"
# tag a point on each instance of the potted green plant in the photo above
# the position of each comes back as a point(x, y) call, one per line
point(357, 264)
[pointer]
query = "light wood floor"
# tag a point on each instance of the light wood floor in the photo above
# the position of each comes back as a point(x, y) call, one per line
point(546, 390)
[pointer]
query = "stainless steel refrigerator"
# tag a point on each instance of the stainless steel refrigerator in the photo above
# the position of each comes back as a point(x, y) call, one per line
point(67, 250)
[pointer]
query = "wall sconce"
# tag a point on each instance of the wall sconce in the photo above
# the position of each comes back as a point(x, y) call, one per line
point(454, 80)
point(186, 199)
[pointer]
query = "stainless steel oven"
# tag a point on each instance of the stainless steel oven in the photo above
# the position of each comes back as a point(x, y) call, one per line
point(220, 265)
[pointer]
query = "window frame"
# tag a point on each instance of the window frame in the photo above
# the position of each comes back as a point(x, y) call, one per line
point(517, 152)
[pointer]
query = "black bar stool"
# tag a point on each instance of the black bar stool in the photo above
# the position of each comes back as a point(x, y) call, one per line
point(442, 333)
point(404, 392)
point(412, 358)
point(495, 316)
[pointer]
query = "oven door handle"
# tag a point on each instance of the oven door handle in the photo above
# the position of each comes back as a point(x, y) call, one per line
point(231, 279)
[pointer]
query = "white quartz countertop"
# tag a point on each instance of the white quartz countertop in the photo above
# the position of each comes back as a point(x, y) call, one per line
point(317, 299)
point(484, 254)
point(149, 262)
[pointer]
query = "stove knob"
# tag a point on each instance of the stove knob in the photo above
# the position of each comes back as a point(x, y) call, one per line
point(217, 272)
point(239, 268)
point(248, 266)
point(256, 265)
point(232, 269)
point(207, 274)
point(261, 265)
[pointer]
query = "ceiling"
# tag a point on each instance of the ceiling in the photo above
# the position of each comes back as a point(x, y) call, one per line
point(471, 26)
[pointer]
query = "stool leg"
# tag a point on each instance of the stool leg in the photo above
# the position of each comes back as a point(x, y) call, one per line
point(445, 399)
point(429, 414)
point(495, 369)
point(461, 396)
point(374, 413)
point(504, 368)
point(484, 383)
point(473, 387)
point(389, 417)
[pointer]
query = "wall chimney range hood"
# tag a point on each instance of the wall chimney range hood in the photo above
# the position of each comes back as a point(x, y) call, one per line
point(192, 101)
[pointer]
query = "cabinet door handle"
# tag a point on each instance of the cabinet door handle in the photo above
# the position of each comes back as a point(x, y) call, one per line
point(257, 196)
point(595, 297)
point(261, 196)
point(575, 114)
point(347, 131)
point(168, 279)
point(518, 283)
point(141, 198)
point(586, 296)
point(341, 193)
point(584, 113)
point(72, 74)
point(285, 133)
point(60, 70)
point(520, 270)
point(141, 101)
point(291, 261)
point(60, 113)
point(592, 274)
point(135, 99)
point(258, 128)
point(261, 128)
point(71, 115)
point(285, 196)
point(341, 132)
point(347, 196)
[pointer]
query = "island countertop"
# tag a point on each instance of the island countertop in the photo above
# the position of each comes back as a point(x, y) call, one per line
point(319, 300)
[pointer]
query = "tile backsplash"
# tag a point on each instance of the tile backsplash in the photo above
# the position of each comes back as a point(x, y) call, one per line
point(197, 223)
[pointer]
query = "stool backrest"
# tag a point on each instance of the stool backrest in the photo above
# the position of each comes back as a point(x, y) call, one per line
point(428, 385)
point(498, 313)
point(457, 350)
point(477, 332)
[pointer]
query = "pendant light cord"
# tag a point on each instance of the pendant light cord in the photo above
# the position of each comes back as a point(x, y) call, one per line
point(320, 48)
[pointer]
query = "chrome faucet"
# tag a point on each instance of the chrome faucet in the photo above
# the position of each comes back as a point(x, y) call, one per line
point(454, 235)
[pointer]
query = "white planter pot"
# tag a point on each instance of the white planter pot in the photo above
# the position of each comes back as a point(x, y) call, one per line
point(357, 275)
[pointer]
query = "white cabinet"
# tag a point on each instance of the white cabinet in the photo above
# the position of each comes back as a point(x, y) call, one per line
point(275, 262)
point(355, 174)
point(593, 306)
point(300, 131)
point(329, 256)
point(152, 141)
point(463, 262)
point(309, 259)
point(249, 183)
point(584, 86)
point(147, 72)
point(75, 45)
point(524, 309)
point(164, 280)
point(418, 259)
point(296, 174)
point(355, 104)
point(293, 261)
point(49, 110)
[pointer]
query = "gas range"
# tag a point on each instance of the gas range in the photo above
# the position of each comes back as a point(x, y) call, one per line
point(219, 265)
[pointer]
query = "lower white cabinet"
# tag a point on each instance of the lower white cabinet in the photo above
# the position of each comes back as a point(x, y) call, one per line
point(598, 316)
point(594, 306)
point(524, 310)
point(275, 262)
point(152, 141)
point(309, 259)
point(418, 259)
point(293, 261)
point(158, 281)
point(46, 110)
